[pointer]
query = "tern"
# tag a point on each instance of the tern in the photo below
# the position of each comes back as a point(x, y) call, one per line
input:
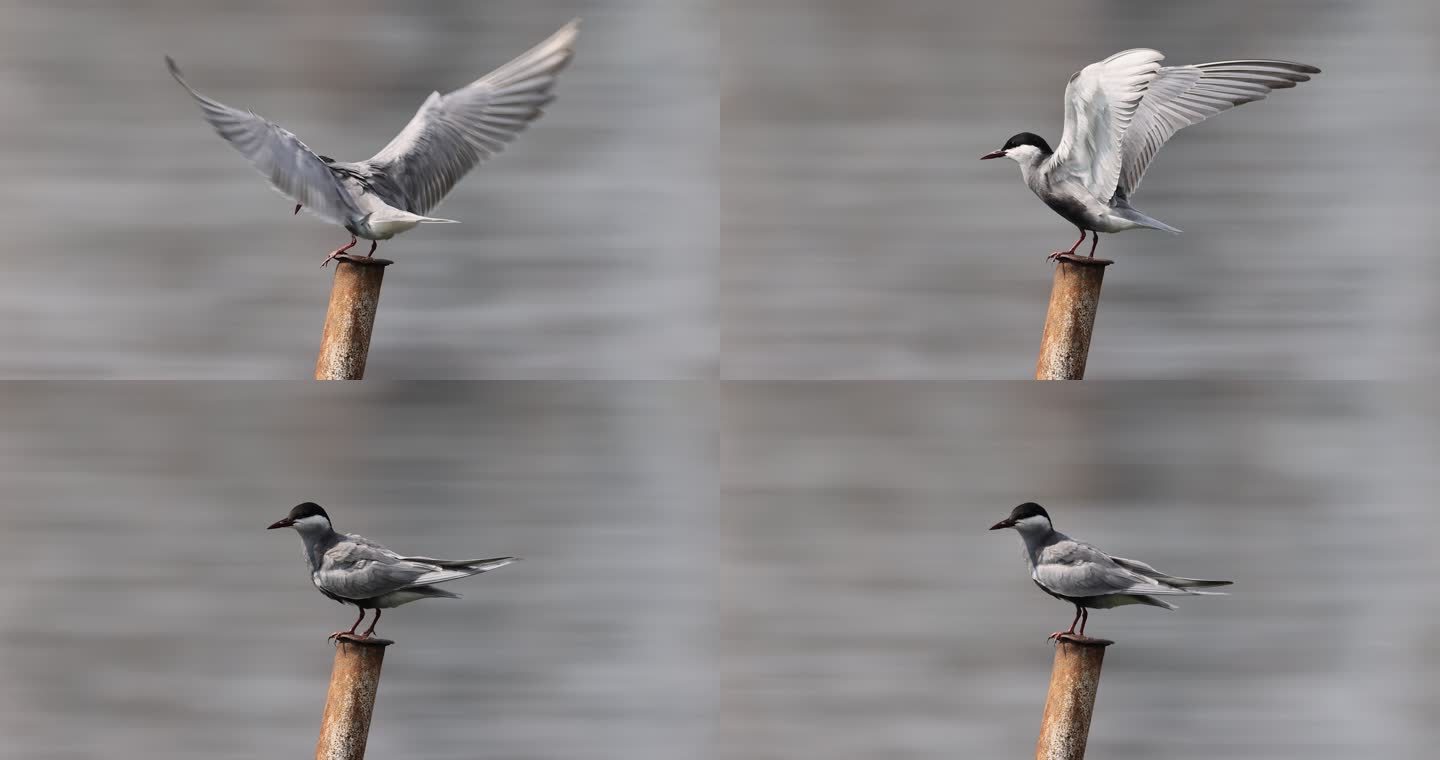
point(1087, 577)
point(354, 570)
point(1118, 113)
point(392, 191)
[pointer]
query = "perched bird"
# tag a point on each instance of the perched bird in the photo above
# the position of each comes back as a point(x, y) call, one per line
point(392, 191)
point(1118, 112)
point(1087, 577)
point(354, 570)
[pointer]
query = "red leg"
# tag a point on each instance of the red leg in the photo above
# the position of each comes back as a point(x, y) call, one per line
point(1084, 618)
point(350, 632)
point(371, 629)
point(1094, 241)
point(374, 243)
point(1056, 635)
point(338, 251)
point(1056, 255)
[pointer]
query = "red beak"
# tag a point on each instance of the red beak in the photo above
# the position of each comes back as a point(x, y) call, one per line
point(993, 154)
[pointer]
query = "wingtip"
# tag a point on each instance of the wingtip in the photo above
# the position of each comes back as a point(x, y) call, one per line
point(567, 33)
point(175, 72)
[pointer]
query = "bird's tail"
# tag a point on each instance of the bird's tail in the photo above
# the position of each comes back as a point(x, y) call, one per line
point(1128, 212)
point(400, 215)
point(438, 593)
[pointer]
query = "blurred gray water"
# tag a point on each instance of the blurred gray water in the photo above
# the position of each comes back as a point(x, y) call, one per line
point(142, 246)
point(151, 615)
point(758, 189)
point(726, 571)
point(862, 238)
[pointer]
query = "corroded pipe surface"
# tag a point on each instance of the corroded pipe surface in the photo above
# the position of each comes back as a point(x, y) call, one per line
point(354, 679)
point(354, 297)
point(1074, 680)
point(1074, 299)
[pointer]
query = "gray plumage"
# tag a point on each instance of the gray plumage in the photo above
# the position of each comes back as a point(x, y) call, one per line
point(393, 190)
point(1088, 577)
point(1118, 114)
point(352, 569)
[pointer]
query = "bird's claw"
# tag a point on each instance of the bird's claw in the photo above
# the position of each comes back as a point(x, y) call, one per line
point(1056, 636)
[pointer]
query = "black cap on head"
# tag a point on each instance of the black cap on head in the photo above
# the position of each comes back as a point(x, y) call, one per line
point(1028, 509)
point(310, 509)
point(300, 512)
point(1028, 138)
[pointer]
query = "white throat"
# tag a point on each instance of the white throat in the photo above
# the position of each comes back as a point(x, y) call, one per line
point(1033, 532)
point(1029, 158)
point(1037, 526)
point(312, 525)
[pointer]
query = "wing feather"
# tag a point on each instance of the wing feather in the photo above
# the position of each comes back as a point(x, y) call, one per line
point(487, 564)
point(1100, 103)
point(361, 569)
point(1137, 566)
point(452, 133)
point(1093, 579)
point(1074, 568)
point(290, 166)
point(1180, 96)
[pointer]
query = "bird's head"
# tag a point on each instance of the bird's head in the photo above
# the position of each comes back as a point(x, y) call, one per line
point(1027, 518)
point(305, 518)
point(1024, 148)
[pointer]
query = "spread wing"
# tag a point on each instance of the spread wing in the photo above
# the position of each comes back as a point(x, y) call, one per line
point(452, 133)
point(1072, 568)
point(277, 153)
point(1100, 104)
point(1180, 96)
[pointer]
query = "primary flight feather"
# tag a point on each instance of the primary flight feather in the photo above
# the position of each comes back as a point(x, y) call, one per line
point(1118, 113)
point(395, 189)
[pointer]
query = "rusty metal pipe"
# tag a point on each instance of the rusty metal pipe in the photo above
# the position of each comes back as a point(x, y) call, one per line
point(1074, 680)
point(354, 679)
point(354, 297)
point(1070, 320)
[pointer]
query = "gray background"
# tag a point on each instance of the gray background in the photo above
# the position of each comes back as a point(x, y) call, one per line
point(719, 571)
point(150, 615)
point(743, 570)
point(757, 189)
point(140, 245)
point(863, 238)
